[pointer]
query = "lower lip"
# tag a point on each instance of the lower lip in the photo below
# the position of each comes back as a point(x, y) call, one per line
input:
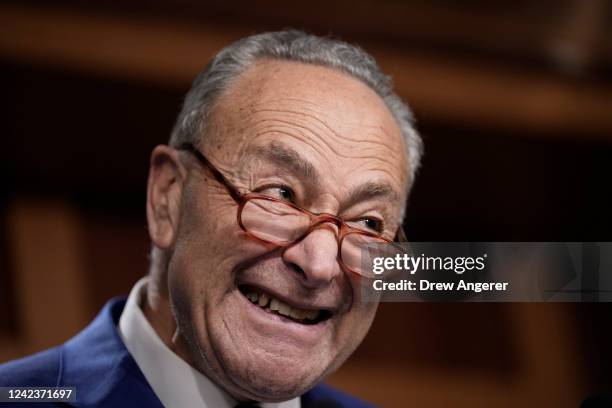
point(303, 333)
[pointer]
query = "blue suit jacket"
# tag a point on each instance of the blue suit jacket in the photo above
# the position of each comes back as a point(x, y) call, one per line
point(104, 373)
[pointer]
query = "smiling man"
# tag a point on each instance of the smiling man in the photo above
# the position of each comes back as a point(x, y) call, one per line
point(290, 153)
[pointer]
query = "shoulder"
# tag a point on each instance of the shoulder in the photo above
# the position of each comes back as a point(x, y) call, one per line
point(41, 369)
point(95, 362)
point(93, 351)
point(325, 396)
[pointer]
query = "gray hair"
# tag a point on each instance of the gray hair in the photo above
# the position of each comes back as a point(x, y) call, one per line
point(292, 45)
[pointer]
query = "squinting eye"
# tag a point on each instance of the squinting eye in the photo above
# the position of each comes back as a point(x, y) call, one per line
point(372, 224)
point(282, 192)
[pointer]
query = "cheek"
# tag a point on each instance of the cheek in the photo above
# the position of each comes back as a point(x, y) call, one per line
point(206, 233)
point(198, 283)
point(356, 323)
point(199, 272)
point(200, 275)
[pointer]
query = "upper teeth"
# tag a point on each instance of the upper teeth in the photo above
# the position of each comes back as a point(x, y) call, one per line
point(277, 306)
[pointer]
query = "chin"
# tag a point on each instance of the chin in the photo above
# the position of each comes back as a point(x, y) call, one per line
point(266, 367)
point(263, 356)
point(273, 378)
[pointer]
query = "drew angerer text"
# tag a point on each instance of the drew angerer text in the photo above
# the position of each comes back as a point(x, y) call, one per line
point(425, 285)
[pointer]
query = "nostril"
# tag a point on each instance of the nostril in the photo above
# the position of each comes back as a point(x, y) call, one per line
point(314, 259)
point(297, 269)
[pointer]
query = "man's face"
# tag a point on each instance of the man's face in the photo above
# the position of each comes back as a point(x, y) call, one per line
point(324, 141)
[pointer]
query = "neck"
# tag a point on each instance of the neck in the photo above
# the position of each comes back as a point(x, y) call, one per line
point(158, 311)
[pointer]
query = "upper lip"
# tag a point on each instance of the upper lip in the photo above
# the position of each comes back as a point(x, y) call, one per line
point(295, 303)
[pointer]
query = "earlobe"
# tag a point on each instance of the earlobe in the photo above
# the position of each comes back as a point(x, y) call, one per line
point(164, 189)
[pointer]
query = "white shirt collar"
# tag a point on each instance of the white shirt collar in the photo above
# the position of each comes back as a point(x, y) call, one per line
point(176, 383)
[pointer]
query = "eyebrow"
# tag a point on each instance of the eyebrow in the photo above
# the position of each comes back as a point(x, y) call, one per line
point(373, 190)
point(284, 156)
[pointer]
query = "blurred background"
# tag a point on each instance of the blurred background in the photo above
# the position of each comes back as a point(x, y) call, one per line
point(514, 101)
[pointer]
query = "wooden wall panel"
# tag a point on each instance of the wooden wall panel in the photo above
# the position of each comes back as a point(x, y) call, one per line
point(51, 294)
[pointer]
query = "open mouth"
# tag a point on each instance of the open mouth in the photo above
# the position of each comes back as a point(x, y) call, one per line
point(275, 306)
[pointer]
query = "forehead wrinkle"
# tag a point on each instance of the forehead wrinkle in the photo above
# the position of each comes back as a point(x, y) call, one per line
point(305, 117)
point(318, 115)
point(254, 92)
point(267, 126)
point(295, 131)
point(318, 142)
point(318, 125)
point(380, 127)
point(324, 125)
point(298, 131)
point(316, 111)
point(344, 151)
point(304, 112)
point(257, 121)
point(349, 140)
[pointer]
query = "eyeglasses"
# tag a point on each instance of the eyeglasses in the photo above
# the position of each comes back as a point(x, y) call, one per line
point(283, 223)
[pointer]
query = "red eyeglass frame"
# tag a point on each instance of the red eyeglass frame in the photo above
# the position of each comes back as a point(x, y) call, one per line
point(315, 218)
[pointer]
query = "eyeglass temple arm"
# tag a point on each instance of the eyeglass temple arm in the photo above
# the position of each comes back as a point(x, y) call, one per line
point(233, 190)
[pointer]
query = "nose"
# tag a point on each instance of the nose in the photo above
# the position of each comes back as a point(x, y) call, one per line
point(316, 256)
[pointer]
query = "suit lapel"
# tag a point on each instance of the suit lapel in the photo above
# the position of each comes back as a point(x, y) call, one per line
point(97, 363)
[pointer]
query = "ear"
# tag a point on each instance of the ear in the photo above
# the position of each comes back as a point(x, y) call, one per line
point(164, 190)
